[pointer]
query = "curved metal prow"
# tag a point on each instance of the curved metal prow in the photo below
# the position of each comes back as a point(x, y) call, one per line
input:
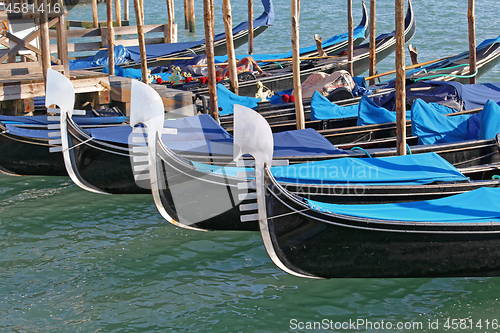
point(252, 135)
point(146, 108)
point(60, 92)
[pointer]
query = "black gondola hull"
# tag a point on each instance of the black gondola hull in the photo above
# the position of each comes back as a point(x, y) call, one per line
point(312, 244)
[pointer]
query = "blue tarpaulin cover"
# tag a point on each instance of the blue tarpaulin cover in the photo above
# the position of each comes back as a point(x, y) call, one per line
point(203, 135)
point(395, 170)
point(322, 109)
point(431, 126)
point(227, 99)
point(305, 142)
point(481, 205)
point(490, 121)
point(101, 59)
point(42, 120)
point(370, 113)
point(452, 94)
point(406, 169)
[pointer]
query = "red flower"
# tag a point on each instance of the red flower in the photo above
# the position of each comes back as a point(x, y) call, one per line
point(203, 79)
point(285, 98)
point(159, 80)
point(292, 99)
point(218, 78)
point(188, 79)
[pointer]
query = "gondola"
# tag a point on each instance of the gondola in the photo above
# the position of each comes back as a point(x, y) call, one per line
point(198, 196)
point(281, 79)
point(24, 144)
point(451, 236)
point(158, 54)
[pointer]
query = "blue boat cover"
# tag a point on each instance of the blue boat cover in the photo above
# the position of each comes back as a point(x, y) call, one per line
point(124, 54)
point(227, 99)
point(81, 120)
point(396, 170)
point(100, 59)
point(203, 135)
point(27, 132)
point(477, 206)
point(452, 94)
point(490, 121)
point(202, 127)
point(431, 126)
point(418, 169)
point(322, 109)
point(370, 113)
point(305, 142)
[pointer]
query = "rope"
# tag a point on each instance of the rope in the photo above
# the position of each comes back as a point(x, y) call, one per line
point(289, 213)
point(450, 75)
point(81, 143)
point(409, 149)
point(359, 148)
point(277, 63)
point(477, 158)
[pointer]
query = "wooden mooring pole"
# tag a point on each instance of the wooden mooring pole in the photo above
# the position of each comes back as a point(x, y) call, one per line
point(231, 57)
point(208, 10)
point(118, 13)
point(192, 20)
point(94, 14)
point(297, 85)
point(373, 55)
point(472, 41)
point(170, 23)
point(45, 39)
point(186, 15)
point(126, 10)
point(139, 17)
point(111, 37)
point(400, 79)
point(350, 34)
point(250, 26)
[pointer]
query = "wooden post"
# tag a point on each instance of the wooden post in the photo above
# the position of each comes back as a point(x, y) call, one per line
point(250, 26)
point(350, 34)
point(45, 39)
point(400, 79)
point(186, 15)
point(297, 86)
point(373, 55)
point(192, 20)
point(142, 45)
point(62, 41)
point(111, 37)
point(126, 14)
point(118, 13)
point(141, 7)
point(472, 41)
point(231, 57)
point(169, 23)
point(208, 13)
point(94, 14)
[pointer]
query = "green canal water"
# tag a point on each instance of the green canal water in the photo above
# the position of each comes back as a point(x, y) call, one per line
point(73, 261)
